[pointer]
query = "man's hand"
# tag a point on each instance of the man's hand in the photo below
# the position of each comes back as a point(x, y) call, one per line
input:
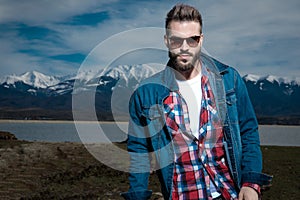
point(248, 193)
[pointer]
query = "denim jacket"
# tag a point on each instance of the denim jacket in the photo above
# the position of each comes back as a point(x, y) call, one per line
point(148, 136)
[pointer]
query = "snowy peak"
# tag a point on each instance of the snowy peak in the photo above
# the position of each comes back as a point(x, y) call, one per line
point(42, 81)
point(279, 80)
point(33, 78)
point(85, 75)
point(39, 80)
point(271, 79)
point(126, 72)
point(117, 76)
point(252, 78)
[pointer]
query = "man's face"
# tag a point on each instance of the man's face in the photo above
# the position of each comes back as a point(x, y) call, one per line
point(184, 42)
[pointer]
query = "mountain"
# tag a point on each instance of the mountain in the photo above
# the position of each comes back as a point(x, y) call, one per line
point(34, 95)
point(33, 78)
point(273, 79)
point(274, 96)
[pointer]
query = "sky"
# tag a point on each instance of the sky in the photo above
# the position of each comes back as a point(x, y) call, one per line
point(59, 37)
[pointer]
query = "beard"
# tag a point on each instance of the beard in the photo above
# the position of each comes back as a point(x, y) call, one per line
point(184, 65)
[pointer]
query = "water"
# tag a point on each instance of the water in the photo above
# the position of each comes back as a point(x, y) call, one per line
point(279, 135)
point(65, 131)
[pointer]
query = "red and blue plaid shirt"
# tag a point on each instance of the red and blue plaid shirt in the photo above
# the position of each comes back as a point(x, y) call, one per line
point(199, 162)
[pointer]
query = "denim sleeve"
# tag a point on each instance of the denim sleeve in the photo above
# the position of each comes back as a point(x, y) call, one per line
point(138, 148)
point(251, 154)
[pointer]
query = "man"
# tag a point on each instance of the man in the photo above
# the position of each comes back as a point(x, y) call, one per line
point(197, 119)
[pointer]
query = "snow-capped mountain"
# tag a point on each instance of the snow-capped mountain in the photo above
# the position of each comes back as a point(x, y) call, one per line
point(273, 79)
point(37, 83)
point(270, 95)
point(266, 83)
point(33, 78)
point(124, 75)
point(127, 72)
point(85, 75)
point(274, 96)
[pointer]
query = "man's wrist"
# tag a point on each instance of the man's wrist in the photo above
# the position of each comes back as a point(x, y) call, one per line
point(254, 186)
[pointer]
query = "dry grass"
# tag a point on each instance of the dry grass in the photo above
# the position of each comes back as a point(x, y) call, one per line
point(36, 170)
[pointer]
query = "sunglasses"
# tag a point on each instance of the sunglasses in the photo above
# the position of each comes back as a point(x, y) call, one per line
point(176, 42)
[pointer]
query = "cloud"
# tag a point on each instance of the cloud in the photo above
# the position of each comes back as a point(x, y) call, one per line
point(259, 37)
point(39, 12)
point(255, 36)
point(57, 33)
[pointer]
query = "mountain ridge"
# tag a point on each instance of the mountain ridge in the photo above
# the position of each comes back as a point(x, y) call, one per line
point(272, 79)
point(21, 96)
point(39, 80)
point(32, 78)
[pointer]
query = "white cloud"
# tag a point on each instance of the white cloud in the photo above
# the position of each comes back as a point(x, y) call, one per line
point(254, 36)
point(250, 32)
point(39, 12)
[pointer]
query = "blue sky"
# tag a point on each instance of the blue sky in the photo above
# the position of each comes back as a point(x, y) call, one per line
point(54, 37)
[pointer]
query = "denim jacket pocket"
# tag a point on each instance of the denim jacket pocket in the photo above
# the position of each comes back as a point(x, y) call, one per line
point(231, 101)
point(154, 117)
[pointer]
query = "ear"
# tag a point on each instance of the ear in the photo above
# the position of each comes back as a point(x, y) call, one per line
point(166, 41)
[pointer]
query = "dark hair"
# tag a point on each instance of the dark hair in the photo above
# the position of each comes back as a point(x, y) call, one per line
point(182, 12)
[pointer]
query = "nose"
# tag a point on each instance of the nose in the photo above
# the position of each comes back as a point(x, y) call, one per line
point(184, 46)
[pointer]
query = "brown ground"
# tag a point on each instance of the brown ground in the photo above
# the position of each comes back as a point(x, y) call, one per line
point(36, 170)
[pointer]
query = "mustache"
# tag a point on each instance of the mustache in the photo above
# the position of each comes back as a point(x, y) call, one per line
point(184, 53)
point(175, 55)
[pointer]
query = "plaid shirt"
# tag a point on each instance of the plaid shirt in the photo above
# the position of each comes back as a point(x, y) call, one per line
point(199, 163)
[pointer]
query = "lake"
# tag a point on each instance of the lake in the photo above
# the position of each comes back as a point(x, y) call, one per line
point(89, 132)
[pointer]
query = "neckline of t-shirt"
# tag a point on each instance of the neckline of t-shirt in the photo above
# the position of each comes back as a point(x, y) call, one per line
point(192, 81)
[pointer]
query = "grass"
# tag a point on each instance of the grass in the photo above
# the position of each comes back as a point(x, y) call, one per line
point(36, 170)
point(283, 163)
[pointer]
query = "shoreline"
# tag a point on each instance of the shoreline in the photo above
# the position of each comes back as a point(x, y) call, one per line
point(64, 130)
point(57, 121)
point(105, 122)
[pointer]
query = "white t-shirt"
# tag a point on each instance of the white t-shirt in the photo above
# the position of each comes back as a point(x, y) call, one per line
point(192, 94)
